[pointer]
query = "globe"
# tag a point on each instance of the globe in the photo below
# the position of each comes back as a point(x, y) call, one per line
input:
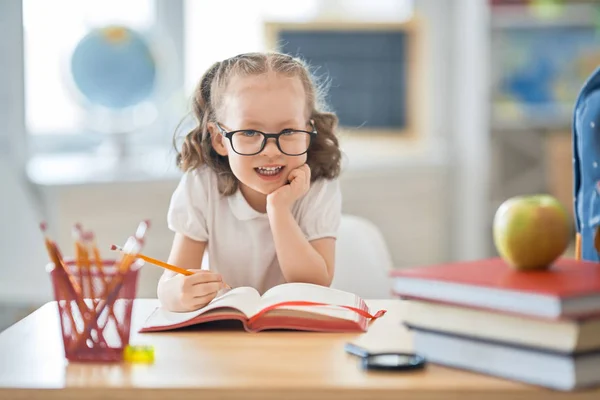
point(114, 67)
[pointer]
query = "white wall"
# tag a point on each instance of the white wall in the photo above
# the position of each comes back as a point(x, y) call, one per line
point(21, 244)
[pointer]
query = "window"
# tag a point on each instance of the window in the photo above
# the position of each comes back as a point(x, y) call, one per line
point(51, 30)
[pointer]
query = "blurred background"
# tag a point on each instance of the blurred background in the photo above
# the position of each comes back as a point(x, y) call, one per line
point(447, 108)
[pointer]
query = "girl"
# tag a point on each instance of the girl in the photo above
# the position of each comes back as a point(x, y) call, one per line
point(259, 191)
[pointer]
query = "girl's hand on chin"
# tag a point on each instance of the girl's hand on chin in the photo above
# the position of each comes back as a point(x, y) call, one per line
point(285, 196)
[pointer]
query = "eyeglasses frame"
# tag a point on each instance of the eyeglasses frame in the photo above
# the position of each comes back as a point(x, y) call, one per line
point(267, 136)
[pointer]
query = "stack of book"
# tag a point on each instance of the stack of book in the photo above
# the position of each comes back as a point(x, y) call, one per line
point(537, 327)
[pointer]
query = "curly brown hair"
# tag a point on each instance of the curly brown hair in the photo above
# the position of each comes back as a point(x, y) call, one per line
point(323, 157)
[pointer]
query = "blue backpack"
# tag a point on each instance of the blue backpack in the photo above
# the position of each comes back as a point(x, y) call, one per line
point(586, 167)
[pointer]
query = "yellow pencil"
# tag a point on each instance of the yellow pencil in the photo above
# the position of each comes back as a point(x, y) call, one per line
point(162, 264)
point(156, 262)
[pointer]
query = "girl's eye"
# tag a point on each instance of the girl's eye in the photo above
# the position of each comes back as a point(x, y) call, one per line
point(250, 133)
point(287, 132)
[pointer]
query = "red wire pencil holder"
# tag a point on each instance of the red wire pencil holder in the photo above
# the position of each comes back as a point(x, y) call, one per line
point(95, 306)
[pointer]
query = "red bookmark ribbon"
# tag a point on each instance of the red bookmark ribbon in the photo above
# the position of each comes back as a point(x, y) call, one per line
point(359, 311)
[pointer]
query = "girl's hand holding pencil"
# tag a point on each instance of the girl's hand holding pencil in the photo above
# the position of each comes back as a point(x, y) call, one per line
point(192, 292)
point(190, 289)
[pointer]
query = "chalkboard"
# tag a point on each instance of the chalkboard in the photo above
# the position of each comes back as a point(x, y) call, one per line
point(368, 69)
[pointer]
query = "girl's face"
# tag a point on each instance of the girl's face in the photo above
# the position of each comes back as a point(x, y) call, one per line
point(268, 103)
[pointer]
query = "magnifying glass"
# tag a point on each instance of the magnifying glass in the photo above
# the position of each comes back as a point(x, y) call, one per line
point(387, 360)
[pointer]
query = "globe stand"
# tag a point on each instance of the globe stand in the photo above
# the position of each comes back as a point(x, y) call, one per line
point(115, 147)
point(116, 128)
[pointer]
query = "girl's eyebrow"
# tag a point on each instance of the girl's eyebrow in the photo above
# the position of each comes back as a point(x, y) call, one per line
point(289, 124)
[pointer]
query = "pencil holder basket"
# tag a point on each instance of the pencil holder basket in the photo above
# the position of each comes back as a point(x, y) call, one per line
point(94, 307)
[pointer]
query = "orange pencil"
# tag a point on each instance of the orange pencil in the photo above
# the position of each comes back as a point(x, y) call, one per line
point(90, 242)
point(70, 287)
point(56, 258)
point(161, 264)
point(83, 263)
point(108, 297)
point(156, 262)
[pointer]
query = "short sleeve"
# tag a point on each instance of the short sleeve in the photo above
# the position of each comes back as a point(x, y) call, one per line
point(320, 210)
point(188, 208)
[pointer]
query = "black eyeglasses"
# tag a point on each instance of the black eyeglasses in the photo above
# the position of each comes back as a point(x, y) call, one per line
point(248, 142)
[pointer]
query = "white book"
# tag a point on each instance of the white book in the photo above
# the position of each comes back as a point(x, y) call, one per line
point(547, 369)
point(560, 335)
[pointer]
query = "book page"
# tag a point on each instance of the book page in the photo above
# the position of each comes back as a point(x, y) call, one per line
point(244, 299)
point(313, 293)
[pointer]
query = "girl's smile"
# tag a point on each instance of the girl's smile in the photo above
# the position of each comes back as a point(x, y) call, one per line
point(270, 172)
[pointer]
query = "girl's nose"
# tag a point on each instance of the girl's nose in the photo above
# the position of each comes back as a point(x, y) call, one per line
point(271, 148)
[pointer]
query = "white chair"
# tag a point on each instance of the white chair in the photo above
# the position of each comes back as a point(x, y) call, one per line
point(363, 261)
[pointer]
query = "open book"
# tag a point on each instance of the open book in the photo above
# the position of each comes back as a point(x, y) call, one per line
point(293, 306)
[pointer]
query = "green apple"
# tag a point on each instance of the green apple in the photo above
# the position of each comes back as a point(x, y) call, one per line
point(531, 231)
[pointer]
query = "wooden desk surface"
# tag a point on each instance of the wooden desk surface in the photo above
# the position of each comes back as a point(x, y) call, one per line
point(229, 364)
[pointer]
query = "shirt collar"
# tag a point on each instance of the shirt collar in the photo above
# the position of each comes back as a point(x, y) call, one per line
point(241, 209)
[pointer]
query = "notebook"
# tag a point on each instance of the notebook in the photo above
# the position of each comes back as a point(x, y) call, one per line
point(570, 288)
point(290, 306)
point(547, 369)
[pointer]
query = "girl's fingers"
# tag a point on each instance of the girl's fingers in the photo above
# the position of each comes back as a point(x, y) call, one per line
point(204, 277)
point(206, 289)
point(202, 301)
point(293, 175)
point(307, 174)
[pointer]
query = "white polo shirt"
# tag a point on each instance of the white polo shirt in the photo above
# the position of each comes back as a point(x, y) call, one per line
point(240, 242)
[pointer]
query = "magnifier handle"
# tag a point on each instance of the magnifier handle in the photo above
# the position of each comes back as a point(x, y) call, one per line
point(356, 350)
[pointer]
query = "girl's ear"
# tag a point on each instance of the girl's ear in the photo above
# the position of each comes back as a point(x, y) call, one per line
point(217, 139)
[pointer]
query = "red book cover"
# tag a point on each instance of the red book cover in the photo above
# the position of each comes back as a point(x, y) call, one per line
point(296, 306)
point(566, 278)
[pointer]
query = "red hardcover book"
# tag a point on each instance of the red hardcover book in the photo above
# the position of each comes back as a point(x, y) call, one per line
point(290, 306)
point(570, 288)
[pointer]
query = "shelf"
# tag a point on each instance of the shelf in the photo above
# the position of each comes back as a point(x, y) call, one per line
point(511, 117)
point(519, 16)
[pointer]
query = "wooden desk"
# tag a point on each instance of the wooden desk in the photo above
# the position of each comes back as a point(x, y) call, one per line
point(231, 364)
